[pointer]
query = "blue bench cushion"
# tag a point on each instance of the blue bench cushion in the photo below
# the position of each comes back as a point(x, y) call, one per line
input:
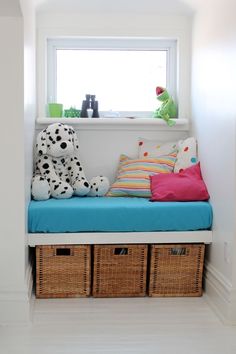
point(116, 214)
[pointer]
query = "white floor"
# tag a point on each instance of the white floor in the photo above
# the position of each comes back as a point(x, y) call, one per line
point(120, 326)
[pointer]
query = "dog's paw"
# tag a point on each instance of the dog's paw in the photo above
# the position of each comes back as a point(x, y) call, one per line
point(40, 188)
point(81, 187)
point(61, 189)
point(99, 186)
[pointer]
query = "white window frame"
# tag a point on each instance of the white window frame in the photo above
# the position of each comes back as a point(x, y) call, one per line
point(113, 43)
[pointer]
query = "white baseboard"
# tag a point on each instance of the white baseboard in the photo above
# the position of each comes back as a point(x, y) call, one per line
point(16, 307)
point(220, 294)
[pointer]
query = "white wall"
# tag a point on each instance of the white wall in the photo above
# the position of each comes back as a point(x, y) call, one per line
point(214, 114)
point(118, 24)
point(17, 110)
point(9, 8)
point(28, 12)
point(12, 262)
point(101, 144)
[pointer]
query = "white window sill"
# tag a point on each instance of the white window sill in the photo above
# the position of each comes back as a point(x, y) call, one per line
point(116, 123)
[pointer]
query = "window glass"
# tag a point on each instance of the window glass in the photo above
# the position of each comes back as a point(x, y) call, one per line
point(121, 80)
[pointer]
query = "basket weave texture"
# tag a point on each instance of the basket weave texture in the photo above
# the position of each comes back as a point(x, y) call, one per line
point(63, 271)
point(176, 270)
point(120, 270)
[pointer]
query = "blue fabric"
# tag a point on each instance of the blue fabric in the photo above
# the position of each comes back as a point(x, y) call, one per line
point(114, 214)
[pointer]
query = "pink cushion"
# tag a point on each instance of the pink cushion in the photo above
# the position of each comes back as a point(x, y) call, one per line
point(186, 185)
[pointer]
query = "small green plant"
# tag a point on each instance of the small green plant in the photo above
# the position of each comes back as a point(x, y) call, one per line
point(72, 113)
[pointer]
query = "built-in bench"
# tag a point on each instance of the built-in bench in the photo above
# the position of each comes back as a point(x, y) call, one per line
point(175, 231)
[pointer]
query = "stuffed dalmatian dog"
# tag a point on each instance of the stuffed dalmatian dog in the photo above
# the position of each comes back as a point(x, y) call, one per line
point(58, 170)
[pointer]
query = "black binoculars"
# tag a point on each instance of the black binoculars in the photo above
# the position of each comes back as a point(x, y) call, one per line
point(89, 103)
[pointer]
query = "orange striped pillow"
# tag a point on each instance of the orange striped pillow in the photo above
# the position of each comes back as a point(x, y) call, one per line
point(133, 175)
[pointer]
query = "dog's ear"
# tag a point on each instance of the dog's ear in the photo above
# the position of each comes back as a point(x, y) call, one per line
point(74, 139)
point(41, 142)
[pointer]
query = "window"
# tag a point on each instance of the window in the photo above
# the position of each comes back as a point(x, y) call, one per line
point(122, 73)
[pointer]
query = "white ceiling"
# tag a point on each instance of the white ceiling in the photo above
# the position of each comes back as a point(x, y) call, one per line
point(175, 7)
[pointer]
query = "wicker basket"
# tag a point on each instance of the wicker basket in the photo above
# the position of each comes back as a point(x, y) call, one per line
point(63, 271)
point(120, 270)
point(176, 270)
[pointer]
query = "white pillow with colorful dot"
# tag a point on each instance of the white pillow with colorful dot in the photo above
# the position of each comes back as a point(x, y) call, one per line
point(152, 148)
point(187, 154)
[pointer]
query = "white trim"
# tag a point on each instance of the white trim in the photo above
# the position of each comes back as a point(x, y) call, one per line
point(111, 42)
point(141, 124)
point(51, 79)
point(119, 237)
point(220, 294)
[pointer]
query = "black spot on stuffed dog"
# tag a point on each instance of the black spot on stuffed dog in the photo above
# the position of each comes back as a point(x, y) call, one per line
point(58, 169)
